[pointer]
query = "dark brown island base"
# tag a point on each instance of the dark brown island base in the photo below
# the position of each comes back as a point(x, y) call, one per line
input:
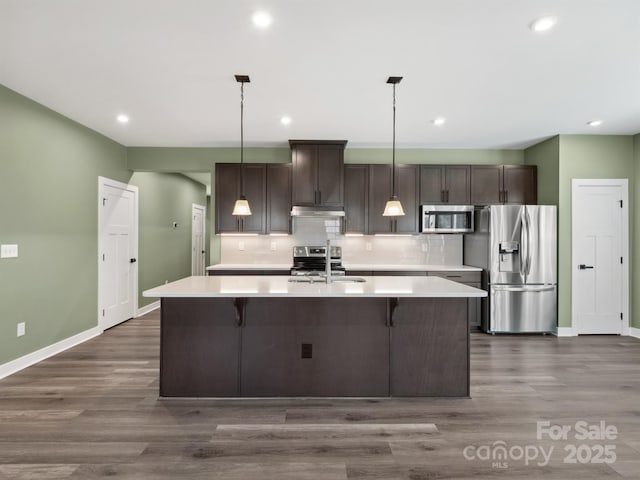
point(265, 337)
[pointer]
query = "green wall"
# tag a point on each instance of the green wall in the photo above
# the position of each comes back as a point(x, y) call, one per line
point(546, 156)
point(164, 252)
point(588, 156)
point(48, 206)
point(564, 157)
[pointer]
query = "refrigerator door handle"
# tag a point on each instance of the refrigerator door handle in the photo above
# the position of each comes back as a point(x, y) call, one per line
point(528, 218)
point(523, 245)
point(545, 288)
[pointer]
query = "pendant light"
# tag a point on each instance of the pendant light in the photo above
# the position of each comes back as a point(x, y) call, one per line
point(393, 207)
point(241, 206)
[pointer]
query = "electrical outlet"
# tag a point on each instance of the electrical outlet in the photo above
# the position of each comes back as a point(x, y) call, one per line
point(21, 329)
point(9, 251)
point(166, 281)
point(240, 246)
point(274, 246)
point(368, 247)
point(425, 247)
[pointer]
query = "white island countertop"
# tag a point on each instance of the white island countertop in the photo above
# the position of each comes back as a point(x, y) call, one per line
point(350, 266)
point(279, 286)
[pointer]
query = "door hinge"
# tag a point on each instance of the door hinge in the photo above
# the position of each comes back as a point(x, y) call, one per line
point(103, 312)
point(104, 202)
point(621, 316)
point(103, 257)
point(620, 259)
point(620, 203)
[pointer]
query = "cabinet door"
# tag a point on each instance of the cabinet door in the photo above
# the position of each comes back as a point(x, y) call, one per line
point(227, 188)
point(379, 193)
point(407, 184)
point(457, 184)
point(199, 348)
point(304, 175)
point(356, 196)
point(330, 180)
point(486, 184)
point(255, 183)
point(279, 198)
point(315, 346)
point(430, 348)
point(520, 184)
point(432, 189)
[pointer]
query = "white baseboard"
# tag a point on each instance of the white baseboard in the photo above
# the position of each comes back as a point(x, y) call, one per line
point(634, 332)
point(566, 332)
point(25, 361)
point(148, 308)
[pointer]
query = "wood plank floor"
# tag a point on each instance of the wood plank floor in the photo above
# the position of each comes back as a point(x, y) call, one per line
point(93, 412)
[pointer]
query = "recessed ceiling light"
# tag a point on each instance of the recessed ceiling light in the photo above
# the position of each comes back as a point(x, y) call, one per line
point(543, 24)
point(438, 122)
point(594, 123)
point(122, 118)
point(285, 120)
point(261, 19)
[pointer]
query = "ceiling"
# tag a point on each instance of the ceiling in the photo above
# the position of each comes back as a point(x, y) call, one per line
point(169, 65)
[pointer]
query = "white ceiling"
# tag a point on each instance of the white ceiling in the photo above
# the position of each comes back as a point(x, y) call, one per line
point(169, 65)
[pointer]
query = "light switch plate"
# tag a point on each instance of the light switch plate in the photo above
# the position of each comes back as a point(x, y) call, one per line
point(240, 245)
point(21, 329)
point(8, 251)
point(368, 246)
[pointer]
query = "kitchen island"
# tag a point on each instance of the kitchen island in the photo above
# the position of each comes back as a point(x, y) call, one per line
point(263, 336)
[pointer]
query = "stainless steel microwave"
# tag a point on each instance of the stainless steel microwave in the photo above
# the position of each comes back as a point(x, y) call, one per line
point(446, 218)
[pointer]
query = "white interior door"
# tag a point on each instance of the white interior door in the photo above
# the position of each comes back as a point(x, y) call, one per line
point(118, 252)
point(598, 240)
point(198, 213)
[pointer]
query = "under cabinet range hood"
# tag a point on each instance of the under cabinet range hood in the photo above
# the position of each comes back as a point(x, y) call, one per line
point(317, 212)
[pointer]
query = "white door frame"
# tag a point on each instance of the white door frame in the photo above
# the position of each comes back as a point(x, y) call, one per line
point(604, 182)
point(195, 206)
point(102, 182)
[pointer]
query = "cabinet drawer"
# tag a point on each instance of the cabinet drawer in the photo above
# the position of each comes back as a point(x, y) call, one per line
point(462, 277)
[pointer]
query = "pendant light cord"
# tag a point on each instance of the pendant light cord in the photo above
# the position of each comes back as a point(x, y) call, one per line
point(393, 151)
point(241, 139)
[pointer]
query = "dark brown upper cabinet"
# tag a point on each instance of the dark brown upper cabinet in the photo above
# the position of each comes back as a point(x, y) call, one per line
point(356, 198)
point(228, 190)
point(496, 184)
point(445, 184)
point(279, 198)
point(318, 167)
point(407, 189)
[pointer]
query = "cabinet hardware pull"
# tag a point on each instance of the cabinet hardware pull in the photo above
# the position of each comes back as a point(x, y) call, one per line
point(392, 305)
point(239, 304)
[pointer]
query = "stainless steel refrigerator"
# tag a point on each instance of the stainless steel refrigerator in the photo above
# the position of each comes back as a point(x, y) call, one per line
point(516, 246)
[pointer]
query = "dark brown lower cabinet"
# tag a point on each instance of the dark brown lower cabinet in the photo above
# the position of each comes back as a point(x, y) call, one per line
point(318, 347)
point(430, 348)
point(199, 348)
point(255, 347)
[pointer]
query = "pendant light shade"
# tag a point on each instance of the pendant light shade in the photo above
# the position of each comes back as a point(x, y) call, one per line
point(393, 207)
point(241, 207)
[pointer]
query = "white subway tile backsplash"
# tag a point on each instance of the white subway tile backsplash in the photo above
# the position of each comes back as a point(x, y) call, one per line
point(367, 249)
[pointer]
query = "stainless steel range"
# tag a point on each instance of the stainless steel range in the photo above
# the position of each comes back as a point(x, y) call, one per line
point(312, 261)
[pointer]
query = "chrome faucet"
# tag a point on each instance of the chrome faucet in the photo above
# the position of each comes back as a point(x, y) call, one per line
point(327, 267)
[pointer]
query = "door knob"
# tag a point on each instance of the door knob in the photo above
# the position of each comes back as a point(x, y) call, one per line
point(582, 266)
point(133, 260)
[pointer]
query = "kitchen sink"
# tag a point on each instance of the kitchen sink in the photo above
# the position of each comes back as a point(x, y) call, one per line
point(321, 279)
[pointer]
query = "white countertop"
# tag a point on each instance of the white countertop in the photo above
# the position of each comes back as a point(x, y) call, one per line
point(279, 286)
point(250, 266)
point(350, 266)
point(410, 268)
